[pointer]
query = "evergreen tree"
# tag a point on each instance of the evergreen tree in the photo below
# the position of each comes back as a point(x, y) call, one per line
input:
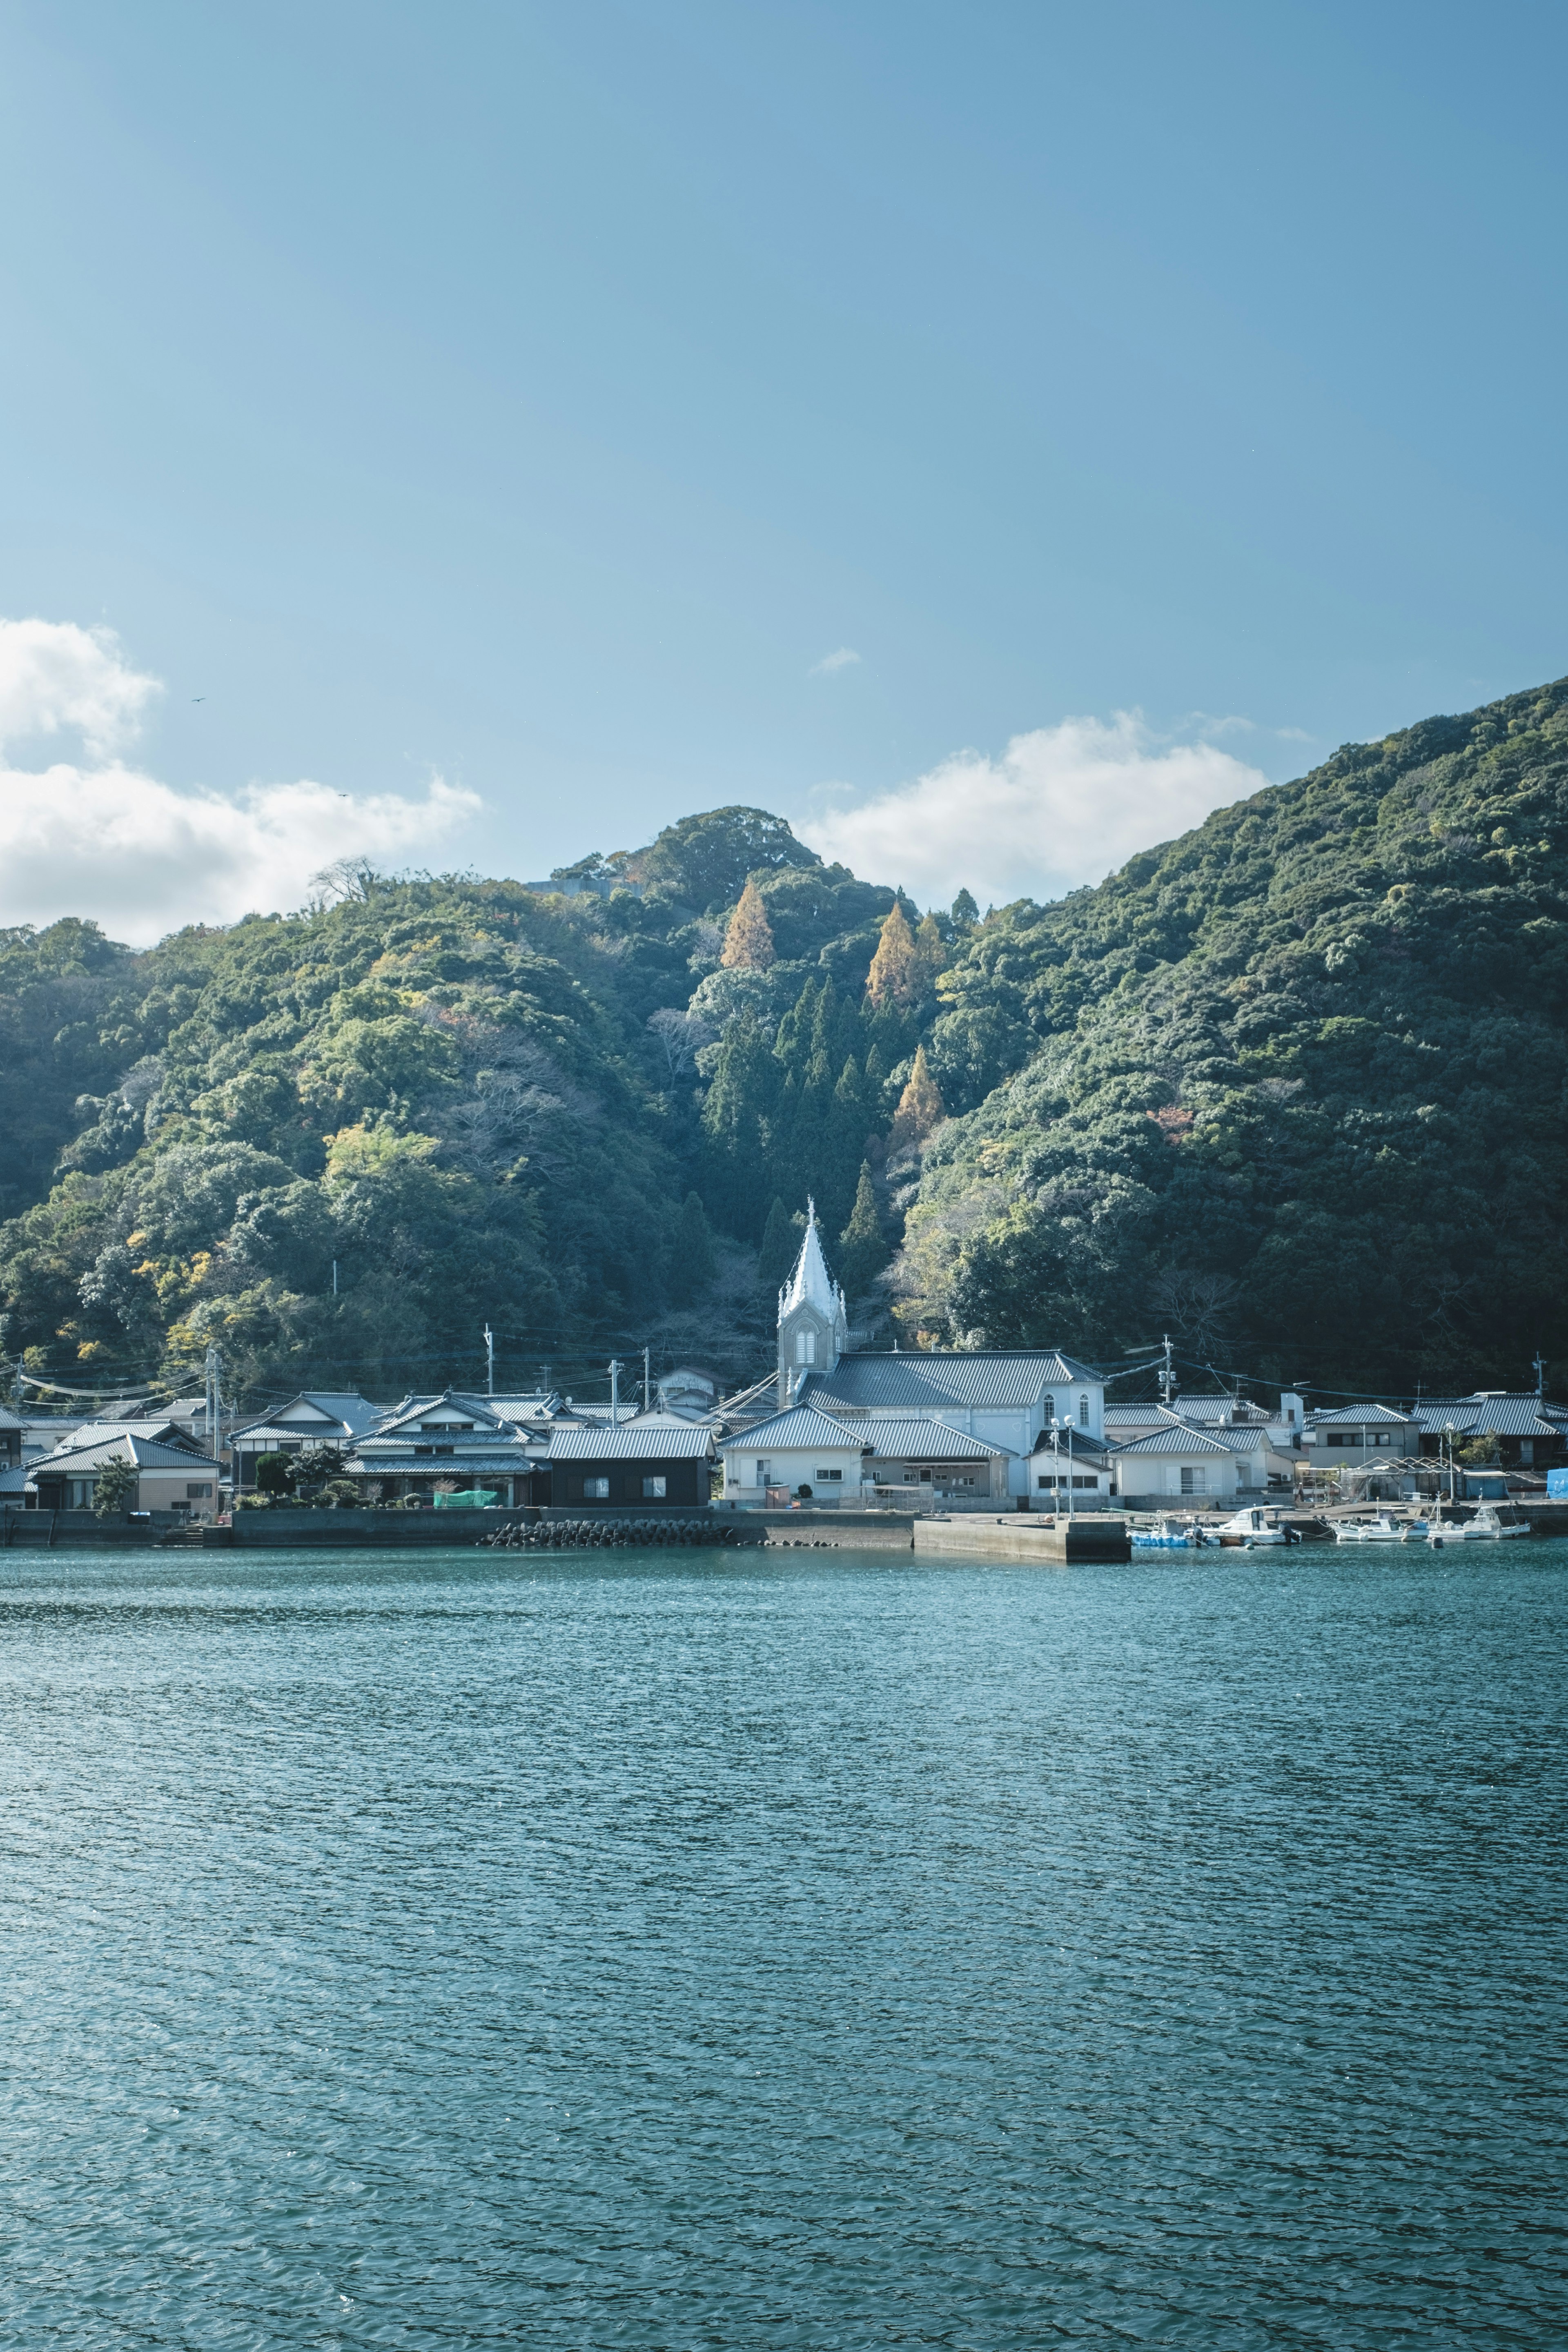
point(920, 1106)
point(893, 975)
point(965, 912)
point(692, 1252)
point(781, 1245)
point(749, 941)
point(862, 1245)
point(735, 1120)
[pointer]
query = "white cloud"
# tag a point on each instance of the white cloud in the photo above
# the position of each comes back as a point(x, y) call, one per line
point(844, 659)
point(55, 676)
point(1062, 806)
point(100, 838)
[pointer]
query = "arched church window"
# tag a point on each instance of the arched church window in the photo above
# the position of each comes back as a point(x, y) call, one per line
point(1083, 1412)
point(805, 1347)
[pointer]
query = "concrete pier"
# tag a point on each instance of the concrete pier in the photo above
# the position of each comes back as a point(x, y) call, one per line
point(1052, 1542)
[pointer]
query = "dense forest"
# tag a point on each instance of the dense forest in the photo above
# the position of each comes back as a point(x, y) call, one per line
point(1293, 1088)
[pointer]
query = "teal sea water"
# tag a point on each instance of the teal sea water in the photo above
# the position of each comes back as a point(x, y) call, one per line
point(811, 1950)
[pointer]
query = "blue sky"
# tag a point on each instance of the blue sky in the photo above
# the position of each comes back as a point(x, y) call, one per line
point(535, 398)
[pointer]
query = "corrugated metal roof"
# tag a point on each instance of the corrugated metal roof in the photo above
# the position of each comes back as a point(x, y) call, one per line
point(632, 1442)
point(933, 1378)
point(1510, 1416)
point(143, 1451)
point(927, 1441)
point(1177, 1441)
point(512, 1464)
point(1357, 1416)
point(801, 1428)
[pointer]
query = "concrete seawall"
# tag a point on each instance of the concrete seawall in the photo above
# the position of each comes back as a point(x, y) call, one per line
point(1053, 1543)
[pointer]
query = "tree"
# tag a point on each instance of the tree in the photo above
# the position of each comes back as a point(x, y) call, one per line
point(704, 860)
point(749, 943)
point(862, 1245)
point(739, 1101)
point(965, 913)
point(920, 1106)
point(315, 1465)
point(692, 1261)
point(892, 979)
point(931, 954)
point(274, 1474)
point(114, 1489)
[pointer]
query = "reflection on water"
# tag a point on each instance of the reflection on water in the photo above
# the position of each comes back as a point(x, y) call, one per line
point(812, 1950)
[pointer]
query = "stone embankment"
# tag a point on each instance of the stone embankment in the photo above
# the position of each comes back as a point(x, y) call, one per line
point(600, 1535)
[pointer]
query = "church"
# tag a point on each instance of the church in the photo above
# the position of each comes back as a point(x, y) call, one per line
point(1006, 1428)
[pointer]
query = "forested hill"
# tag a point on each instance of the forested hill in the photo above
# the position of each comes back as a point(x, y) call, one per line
point(1294, 1087)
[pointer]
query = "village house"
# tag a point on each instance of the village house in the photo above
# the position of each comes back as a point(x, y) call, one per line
point(860, 1460)
point(652, 1462)
point(1350, 1436)
point(1531, 1433)
point(317, 1417)
point(449, 1451)
point(1177, 1462)
point(168, 1478)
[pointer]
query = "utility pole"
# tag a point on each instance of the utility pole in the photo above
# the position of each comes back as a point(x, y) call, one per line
point(614, 1393)
point(1166, 1378)
point(647, 1380)
point(489, 1361)
point(334, 1278)
point(1070, 1469)
point(213, 1403)
point(1539, 1378)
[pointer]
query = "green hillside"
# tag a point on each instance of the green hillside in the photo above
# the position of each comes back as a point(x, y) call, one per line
point(1294, 1088)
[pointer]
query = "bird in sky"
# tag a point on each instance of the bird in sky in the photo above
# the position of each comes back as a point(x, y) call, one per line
point(198, 698)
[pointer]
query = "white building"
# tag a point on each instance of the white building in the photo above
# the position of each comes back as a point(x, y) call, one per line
point(958, 1425)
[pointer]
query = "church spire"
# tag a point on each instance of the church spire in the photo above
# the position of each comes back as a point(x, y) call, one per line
point(813, 1324)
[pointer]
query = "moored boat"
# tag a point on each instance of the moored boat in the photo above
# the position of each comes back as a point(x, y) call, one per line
point(1487, 1525)
point(1166, 1535)
point(1250, 1527)
point(1382, 1528)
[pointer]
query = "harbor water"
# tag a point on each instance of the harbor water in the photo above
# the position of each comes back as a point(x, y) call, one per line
point(801, 1950)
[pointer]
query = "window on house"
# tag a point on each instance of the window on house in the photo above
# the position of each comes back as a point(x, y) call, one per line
point(762, 1474)
point(1083, 1412)
point(198, 1494)
point(652, 1490)
point(805, 1347)
point(1195, 1482)
point(829, 1477)
point(596, 1490)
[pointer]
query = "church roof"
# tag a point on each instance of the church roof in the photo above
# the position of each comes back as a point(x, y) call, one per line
point(809, 1284)
point(935, 1381)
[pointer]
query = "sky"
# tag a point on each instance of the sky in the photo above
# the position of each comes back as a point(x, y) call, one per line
point(989, 436)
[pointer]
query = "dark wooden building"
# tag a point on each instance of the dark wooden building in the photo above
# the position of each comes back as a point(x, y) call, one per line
point(656, 1463)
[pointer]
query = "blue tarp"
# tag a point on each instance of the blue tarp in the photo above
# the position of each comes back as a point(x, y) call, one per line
point(1557, 1484)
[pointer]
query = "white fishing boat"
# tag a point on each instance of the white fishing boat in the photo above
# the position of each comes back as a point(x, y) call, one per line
point(1489, 1526)
point(1251, 1526)
point(1382, 1528)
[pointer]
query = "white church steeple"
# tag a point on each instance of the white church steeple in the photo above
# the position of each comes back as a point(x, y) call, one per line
point(813, 1326)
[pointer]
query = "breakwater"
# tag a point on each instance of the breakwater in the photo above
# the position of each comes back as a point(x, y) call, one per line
point(606, 1534)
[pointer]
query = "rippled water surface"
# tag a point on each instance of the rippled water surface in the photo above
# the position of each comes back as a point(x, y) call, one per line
point(816, 1949)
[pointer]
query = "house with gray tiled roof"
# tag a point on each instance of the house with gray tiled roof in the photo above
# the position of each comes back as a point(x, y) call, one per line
point(1531, 1431)
point(168, 1478)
